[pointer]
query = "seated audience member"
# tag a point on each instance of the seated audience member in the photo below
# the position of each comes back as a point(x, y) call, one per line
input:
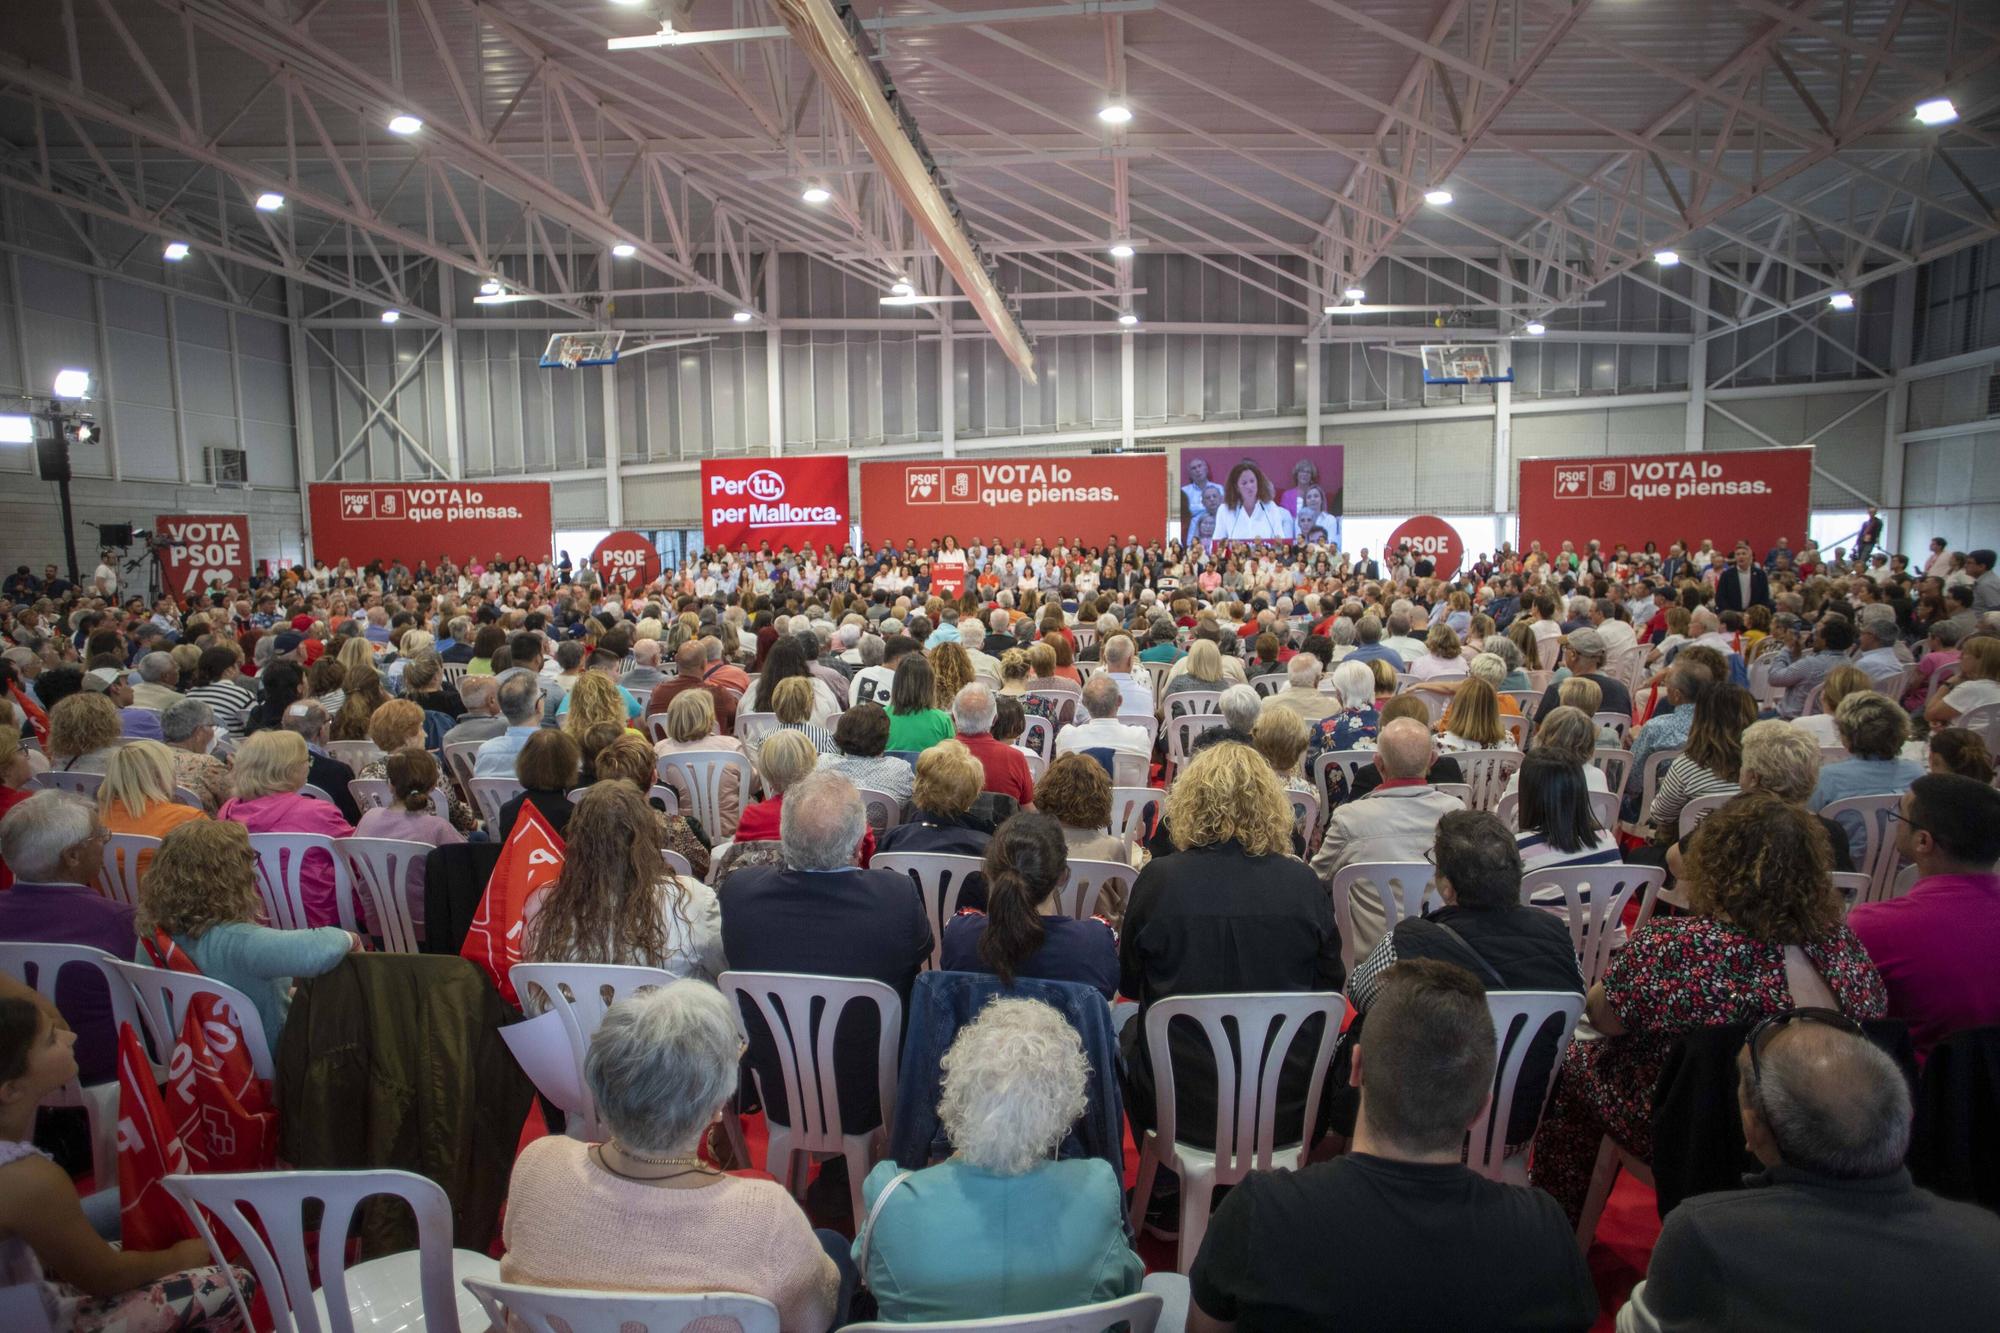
point(1425, 1070)
point(84, 731)
point(1443, 767)
point(1355, 719)
point(1474, 721)
point(1005, 768)
point(819, 912)
point(615, 901)
point(1956, 750)
point(1024, 930)
point(1831, 1235)
point(188, 730)
point(691, 726)
point(1840, 682)
point(100, 1288)
point(137, 796)
point(547, 769)
point(861, 742)
point(1567, 733)
point(1873, 727)
point(942, 818)
point(271, 768)
point(1397, 821)
point(792, 705)
point(411, 815)
point(1782, 761)
point(1937, 945)
point(1001, 1227)
point(202, 895)
point(54, 844)
point(1302, 694)
point(1280, 736)
point(915, 720)
point(1584, 653)
point(1100, 728)
point(627, 758)
point(783, 759)
point(1229, 909)
point(1559, 826)
point(1076, 793)
point(307, 721)
point(1711, 761)
point(641, 1211)
point(521, 704)
point(398, 727)
point(1485, 928)
point(482, 720)
point(1976, 682)
point(1764, 934)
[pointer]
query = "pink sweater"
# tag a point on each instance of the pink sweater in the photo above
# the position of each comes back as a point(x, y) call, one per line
point(570, 1223)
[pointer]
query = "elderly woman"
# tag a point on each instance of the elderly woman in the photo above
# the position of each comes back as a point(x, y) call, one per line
point(1280, 736)
point(1709, 763)
point(1764, 935)
point(1229, 909)
point(137, 796)
point(949, 780)
point(84, 731)
point(1975, 683)
point(423, 685)
point(1204, 671)
point(615, 901)
point(1840, 682)
point(915, 720)
point(629, 759)
point(642, 1211)
point(1076, 793)
point(784, 758)
point(1483, 666)
point(1567, 734)
point(201, 894)
point(1444, 656)
point(546, 768)
point(1355, 721)
point(1023, 930)
point(861, 742)
point(1001, 1227)
point(399, 725)
point(1780, 759)
point(691, 726)
point(792, 702)
point(271, 769)
point(1014, 671)
point(188, 730)
point(1873, 728)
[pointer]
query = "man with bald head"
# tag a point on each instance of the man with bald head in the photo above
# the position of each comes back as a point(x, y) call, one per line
point(1395, 822)
point(1832, 1234)
point(690, 673)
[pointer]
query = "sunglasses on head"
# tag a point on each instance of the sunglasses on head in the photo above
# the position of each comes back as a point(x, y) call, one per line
point(1761, 1035)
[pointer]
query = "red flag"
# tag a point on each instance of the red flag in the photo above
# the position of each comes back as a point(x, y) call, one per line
point(149, 1149)
point(531, 856)
point(222, 1110)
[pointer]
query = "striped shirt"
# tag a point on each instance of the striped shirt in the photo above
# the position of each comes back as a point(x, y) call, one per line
point(1683, 781)
point(230, 701)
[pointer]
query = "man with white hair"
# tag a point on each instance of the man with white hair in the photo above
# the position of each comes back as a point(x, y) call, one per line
point(1399, 640)
point(972, 638)
point(158, 677)
point(1135, 690)
point(972, 713)
point(481, 720)
point(1103, 730)
point(645, 675)
point(1877, 642)
point(54, 843)
point(1302, 694)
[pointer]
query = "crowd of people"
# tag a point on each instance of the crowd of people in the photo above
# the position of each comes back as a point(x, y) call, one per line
point(1000, 718)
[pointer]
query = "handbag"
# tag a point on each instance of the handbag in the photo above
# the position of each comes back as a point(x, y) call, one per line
point(868, 1227)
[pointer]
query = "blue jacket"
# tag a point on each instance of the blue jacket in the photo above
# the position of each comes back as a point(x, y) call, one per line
point(943, 1002)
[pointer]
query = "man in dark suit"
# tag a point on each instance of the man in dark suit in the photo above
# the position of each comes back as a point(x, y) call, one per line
point(1742, 585)
point(331, 776)
point(1870, 536)
point(1365, 568)
point(821, 913)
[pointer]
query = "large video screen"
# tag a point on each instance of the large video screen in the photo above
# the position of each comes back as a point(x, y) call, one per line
point(1260, 493)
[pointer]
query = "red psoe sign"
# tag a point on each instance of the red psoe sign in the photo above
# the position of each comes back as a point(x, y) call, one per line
point(1753, 495)
point(467, 521)
point(626, 559)
point(1430, 538)
point(795, 502)
point(200, 549)
point(1091, 500)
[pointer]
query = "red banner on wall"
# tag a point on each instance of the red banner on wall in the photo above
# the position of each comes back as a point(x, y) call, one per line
point(430, 520)
point(1753, 495)
point(795, 502)
point(1090, 500)
point(200, 548)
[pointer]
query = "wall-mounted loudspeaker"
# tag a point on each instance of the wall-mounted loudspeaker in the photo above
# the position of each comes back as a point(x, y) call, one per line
point(52, 458)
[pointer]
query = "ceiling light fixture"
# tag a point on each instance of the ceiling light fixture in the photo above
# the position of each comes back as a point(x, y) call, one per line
point(404, 124)
point(1937, 111)
point(666, 36)
point(1115, 113)
point(902, 288)
point(391, 316)
point(1438, 197)
point(743, 316)
point(1841, 300)
point(1356, 293)
point(490, 287)
point(175, 252)
point(502, 298)
point(1534, 328)
point(1666, 258)
point(1127, 318)
point(815, 193)
point(1121, 249)
point(622, 250)
point(72, 384)
point(270, 201)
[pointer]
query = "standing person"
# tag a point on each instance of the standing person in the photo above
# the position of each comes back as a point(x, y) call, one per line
point(1867, 537)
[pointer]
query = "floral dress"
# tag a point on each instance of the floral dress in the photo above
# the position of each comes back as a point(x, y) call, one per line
point(1349, 729)
point(1676, 976)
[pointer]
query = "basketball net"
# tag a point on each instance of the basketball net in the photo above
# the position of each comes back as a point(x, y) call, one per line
point(571, 353)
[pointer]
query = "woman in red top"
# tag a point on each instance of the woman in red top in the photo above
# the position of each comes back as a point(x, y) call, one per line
point(783, 759)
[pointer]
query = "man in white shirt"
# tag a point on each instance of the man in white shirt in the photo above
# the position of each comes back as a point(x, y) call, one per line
point(972, 638)
point(1301, 693)
point(1617, 635)
point(1135, 692)
point(104, 580)
point(1103, 730)
point(871, 683)
point(1399, 640)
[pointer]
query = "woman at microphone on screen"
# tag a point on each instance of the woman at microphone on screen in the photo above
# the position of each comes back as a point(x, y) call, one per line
point(1249, 512)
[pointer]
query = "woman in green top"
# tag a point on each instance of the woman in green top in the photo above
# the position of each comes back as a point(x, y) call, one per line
point(915, 720)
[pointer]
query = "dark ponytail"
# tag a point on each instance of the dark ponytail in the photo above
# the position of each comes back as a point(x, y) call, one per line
point(20, 1024)
point(412, 774)
point(1025, 862)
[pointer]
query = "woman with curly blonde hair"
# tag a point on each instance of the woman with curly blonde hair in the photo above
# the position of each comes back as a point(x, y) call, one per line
point(951, 671)
point(1764, 934)
point(1230, 909)
point(202, 894)
point(593, 699)
point(84, 730)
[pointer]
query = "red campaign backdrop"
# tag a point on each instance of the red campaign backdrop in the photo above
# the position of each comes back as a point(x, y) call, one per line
point(1052, 499)
point(627, 557)
point(215, 543)
point(1753, 495)
point(1429, 535)
point(793, 502)
point(428, 520)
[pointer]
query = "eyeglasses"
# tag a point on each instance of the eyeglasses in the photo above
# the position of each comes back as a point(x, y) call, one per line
point(1760, 1036)
point(1431, 855)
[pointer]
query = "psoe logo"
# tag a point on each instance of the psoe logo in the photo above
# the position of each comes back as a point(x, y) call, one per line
point(357, 504)
point(925, 485)
point(766, 485)
point(1572, 482)
point(1610, 482)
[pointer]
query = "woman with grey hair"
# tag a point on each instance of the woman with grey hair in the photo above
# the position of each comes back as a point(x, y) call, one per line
point(1000, 1227)
point(188, 728)
point(1509, 654)
point(642, 1211)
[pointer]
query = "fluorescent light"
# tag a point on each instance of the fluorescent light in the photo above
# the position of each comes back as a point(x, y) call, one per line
point(404, 124)
point(1356, 293)
point(1128, 319)
point(1937, 111)
point(1841, 300)
point(815, 193)
point(623, 251)
point(743, 316)
point(666, 36)
point(16, 428)
point(1356, 309)
point(391, 316)
point(1115, 113)
point(1121, 250)
point(1438, 197)
point(1534, 328)
point(72, 383)
point(502, 298)
point(175, 252)
point(628, 3)
point(270, 201)
point(1666, 258)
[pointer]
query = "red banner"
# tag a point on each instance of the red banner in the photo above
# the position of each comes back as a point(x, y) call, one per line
point(1429, 538)
point(1105, 497)
point(211, 547)
point(1753, 495)
point(531, 856)
point(429, 520)
point(627, 558)
point(751, 502)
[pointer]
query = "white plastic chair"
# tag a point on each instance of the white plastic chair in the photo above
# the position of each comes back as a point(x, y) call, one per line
point(1486, 773)
point(490, 794)
point(1159, 672)
point(120, 878)
point(554, 1309)
point(1411, 887)
point(1698, 809)
point(1529, 701)
point(281, 859)
point(697, 775)
point(1518, 1018)
point(1145, 722)
point(1305, 815)
point(1183, 703)
point(163, 996)
point(1985, 720)
point(317, 793)
point(656, 727)
point(79, 784)
point(1594, 899)
point(1246, 1096)
point(884, 810)
point(940, 879)
point(1039, 736)
point(1271, 682)
point(580, 993)
point(752, 728)
point(415, 1291)
point(1603, 805)
point(1348, 762)
point(1620, 723)
point(1614, 764)
point(357, 755)
point(1181, 733)
point(1877, 857)
point(1085, 880)
point(376, 794)
point(1063, 700)
point(1138, 1313)
point(1132, 811)
point(454, 672)
point(1650, 774)
point(1853, 886)
point(182, 796)
point(810, 1074)
point(1036, 765)
point(39, 965)
point(390, 875)
point(459, 758)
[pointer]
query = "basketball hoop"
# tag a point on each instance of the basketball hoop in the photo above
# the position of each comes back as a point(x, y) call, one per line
point(568, 351)
point(1462, 363)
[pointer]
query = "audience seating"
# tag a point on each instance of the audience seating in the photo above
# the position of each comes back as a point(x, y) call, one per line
point(357, 755)
point(1620, 724)
point(1519, 1016)
point(317, 793)
point(120, 878)
point(579, 993)
point(1603, 804)
point(39, 966)
point(1084, 880)
point(696, 776)
point(1649, 778)
point(163, 996)
point(1698, 809)
point(1187, 702)
point(752, 728)
point(1877, 857)
point(1181, 732)
point(1486, 773)
point(884, 810)
point(1138, 1313)
point(376, 794)
point(1349, 762)
point(83, 784)
point(1528, 701)
point(390, 875)
point(1039, 737)
point(182, 796)
point(554, 1309)
point(1616, 765)
point(281, 862)
point(1594, 899)
point(1134, 811)
point(940, 878)
point(490, 794)
point(1271, 682)
point(1405, 889)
